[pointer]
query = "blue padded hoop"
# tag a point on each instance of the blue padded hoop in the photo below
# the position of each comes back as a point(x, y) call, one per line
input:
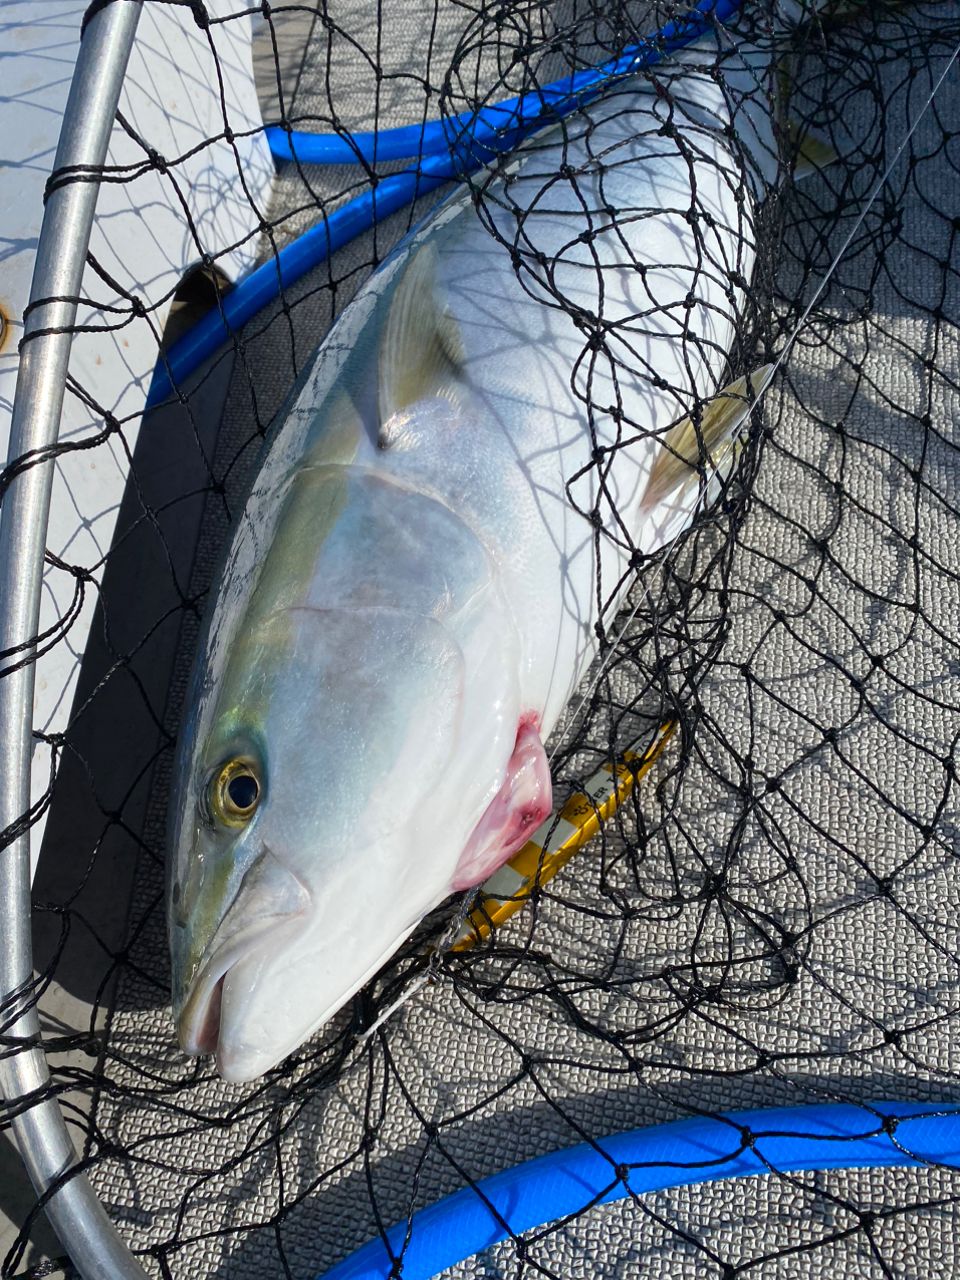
point(686, 1152)
point(473, 147)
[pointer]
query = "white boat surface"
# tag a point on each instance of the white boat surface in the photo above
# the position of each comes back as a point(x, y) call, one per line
point(172, 108)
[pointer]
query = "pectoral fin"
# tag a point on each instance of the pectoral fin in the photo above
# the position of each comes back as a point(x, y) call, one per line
point(421, 348)
point(681, 464)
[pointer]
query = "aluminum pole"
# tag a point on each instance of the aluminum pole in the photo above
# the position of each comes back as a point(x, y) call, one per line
point(76, 1214)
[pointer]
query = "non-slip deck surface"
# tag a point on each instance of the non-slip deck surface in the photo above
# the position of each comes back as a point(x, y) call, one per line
point(463, 1085)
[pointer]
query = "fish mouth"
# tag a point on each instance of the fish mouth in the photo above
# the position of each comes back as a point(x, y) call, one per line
point(270, 902)
point(242, 1061)
point(256, 940)
point(199, 1021)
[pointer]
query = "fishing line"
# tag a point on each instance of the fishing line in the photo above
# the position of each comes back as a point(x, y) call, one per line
point(776, 363)
point(858, 222)
point(432, 973)
point(562, 736)
point(416, 985)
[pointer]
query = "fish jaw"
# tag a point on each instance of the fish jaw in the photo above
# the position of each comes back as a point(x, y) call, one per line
point(282, 962)
point(201, 1019)
point(248, 1045)
point(274, 981)
point(269, 911)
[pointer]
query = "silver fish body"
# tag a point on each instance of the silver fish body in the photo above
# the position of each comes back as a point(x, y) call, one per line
point(412, 591)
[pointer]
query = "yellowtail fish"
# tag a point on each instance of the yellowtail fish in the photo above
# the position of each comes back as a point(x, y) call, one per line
point(516, 402)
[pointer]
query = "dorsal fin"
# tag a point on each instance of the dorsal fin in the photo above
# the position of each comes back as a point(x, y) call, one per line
point(814, 151)
point(421, 348)
point(677, 470)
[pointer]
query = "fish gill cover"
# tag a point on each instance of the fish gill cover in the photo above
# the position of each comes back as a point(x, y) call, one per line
point(771, 916)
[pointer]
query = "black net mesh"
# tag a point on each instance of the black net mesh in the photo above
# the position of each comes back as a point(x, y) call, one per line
point(771, 917)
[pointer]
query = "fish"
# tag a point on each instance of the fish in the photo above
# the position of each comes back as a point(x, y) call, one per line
point(531, 395)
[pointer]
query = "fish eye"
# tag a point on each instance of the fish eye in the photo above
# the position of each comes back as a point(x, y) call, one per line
point(235, 793)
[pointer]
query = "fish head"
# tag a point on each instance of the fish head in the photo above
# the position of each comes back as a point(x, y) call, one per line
point(324, 799)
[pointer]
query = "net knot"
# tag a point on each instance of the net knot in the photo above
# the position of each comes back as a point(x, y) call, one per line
point(714, 885)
